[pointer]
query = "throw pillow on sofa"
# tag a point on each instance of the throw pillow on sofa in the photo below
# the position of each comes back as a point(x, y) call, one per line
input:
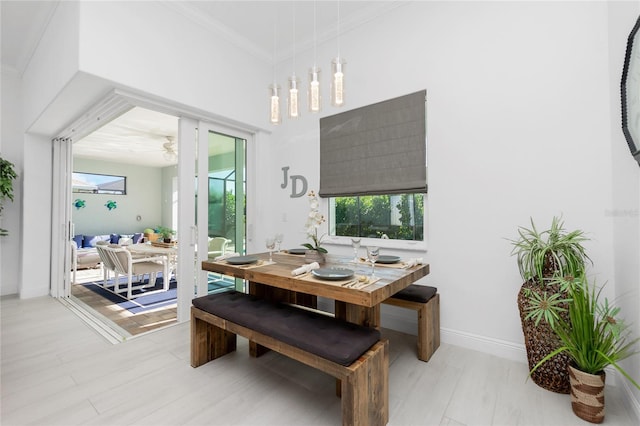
point(90, 241)
point(78, 240)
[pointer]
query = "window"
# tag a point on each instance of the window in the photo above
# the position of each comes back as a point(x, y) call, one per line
point(93, 183)
point(397, 216)
point(373, 169)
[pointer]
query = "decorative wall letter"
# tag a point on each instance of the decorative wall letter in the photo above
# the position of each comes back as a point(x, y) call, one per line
point(295, 193)
point(283, 185)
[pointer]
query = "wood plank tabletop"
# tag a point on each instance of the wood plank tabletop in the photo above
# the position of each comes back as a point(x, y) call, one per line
point(278, 274)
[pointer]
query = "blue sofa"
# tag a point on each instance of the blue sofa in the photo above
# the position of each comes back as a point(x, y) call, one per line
point(89, 241)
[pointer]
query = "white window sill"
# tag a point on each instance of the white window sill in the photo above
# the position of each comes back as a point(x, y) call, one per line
point(404, 245)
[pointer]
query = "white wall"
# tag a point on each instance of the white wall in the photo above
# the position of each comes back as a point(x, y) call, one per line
point(36, 222)
point(518, 127)
point(156, 50)
point(144, 47)
point(11, 150)
point(624, 214)
point(143, 198)
point(54, 63)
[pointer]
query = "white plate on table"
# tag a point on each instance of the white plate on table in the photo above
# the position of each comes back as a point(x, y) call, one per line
point(242, 260)
point(388, 259)
point(332, 274)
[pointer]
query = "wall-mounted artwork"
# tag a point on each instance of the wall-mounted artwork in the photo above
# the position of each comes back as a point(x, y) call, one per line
point(94, 183)
point(79, 204)
point(111, 205)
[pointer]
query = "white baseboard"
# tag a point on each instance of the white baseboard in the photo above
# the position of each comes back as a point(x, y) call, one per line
point(630, 402)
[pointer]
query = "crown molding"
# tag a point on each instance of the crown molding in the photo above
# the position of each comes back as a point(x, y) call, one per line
point(218, 28)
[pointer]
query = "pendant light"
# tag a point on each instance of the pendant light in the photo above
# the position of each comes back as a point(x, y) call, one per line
point(337, 70)
point(274, 89)
point(274, 110)
point(315, 99)
point(293, 104)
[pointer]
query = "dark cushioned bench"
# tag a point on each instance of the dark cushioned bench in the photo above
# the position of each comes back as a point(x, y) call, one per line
point(426, 301)
point(352, 353)
point(325, 336)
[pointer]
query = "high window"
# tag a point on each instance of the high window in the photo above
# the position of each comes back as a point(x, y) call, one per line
point(94, 183)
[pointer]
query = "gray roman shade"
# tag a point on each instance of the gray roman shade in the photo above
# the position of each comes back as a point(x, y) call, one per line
point(376, 149)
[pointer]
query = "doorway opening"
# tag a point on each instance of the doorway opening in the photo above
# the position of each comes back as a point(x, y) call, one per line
point(155, 195)
point(124, 192)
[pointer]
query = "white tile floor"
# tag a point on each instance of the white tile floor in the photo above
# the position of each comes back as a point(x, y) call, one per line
point(57, 371)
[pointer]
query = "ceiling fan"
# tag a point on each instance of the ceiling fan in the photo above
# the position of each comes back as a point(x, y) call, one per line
point(171, 149)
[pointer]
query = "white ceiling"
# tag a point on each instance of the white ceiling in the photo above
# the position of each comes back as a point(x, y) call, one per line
point(139, 135)
point(136, 137)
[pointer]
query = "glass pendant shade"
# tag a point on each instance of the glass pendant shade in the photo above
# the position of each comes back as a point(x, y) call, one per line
point(315, 100)
point(337, 81)
point(274, 110)
point(293, 104)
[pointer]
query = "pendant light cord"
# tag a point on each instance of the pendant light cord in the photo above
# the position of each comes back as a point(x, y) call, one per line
point(338, 29)
point(294, 37)
point(275, 46)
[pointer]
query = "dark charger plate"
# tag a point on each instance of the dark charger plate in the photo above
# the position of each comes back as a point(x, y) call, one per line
point(297, 251)
point(242, 260)
point(332, 274)
point(388, 259)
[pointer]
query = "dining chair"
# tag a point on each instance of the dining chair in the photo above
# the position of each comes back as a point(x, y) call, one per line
point(218, 246)
point(129, 267)
point(107, 264)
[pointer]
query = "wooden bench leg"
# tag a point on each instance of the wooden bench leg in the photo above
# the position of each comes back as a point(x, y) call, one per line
point(429, 328)
point(365, 394)
point(256, 350)
point(209, 342)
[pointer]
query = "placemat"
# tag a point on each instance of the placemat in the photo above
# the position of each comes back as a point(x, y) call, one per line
point(258, 264)
point(354, 282)
point(398, 265)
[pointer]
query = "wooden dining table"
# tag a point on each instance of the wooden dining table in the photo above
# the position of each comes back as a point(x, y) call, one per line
point(358, 304)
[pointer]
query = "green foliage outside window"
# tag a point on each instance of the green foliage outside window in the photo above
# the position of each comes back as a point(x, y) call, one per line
point(399, 217)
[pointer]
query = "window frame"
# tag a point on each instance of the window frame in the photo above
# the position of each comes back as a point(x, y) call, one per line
point(98, 191)
point(341, 240)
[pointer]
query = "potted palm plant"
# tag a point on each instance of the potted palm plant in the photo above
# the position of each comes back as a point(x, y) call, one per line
point(543, 257)
point(593, 337)
point(165, 233)
point(7, 176)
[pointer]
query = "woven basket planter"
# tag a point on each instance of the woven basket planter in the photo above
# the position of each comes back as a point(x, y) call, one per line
point(587, 394)
point(540, 340)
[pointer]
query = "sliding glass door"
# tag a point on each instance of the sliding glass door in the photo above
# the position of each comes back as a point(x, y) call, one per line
point(221, 203)
point(218, 223)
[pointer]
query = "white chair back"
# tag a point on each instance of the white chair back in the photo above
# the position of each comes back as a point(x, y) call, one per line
point(104, 257)
point(119, 257)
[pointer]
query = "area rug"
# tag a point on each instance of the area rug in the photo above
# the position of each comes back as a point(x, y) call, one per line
point(142, 302)
point(148, 302)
